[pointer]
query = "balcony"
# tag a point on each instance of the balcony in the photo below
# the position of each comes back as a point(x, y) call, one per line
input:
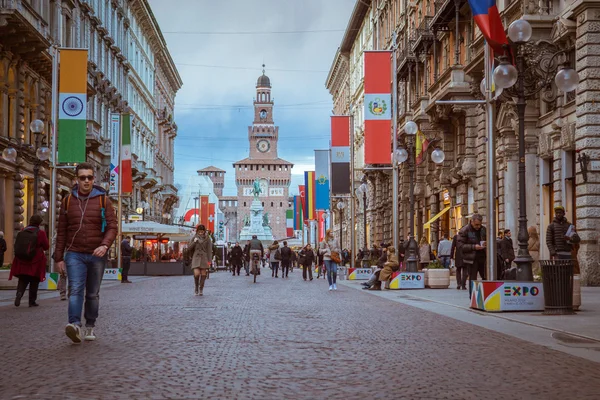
point(26, 34)
point(445, 12)
point(405, 58)
point(424, 34)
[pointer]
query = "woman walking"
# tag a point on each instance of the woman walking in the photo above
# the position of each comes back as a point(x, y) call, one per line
point(274, 257)
point(200, 248)
point(424, 252)
point(331, 256)
point(30, 266)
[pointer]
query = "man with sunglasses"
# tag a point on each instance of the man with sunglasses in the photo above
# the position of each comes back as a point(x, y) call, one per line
point(87, 227)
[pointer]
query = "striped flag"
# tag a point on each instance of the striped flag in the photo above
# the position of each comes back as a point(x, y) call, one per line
point(340, 154)
point(297, 213)
point(378, 107)
point(115, 148)
point(72, 106)
point(211, 217)
point(125, 170)
point(302, 190)
point(204, 212)
point(422, 145)
point(309, 184)
point(322, 179)
point(289, 214)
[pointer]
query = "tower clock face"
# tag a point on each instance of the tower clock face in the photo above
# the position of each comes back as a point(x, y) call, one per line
point(263, 114)
point(263, 146)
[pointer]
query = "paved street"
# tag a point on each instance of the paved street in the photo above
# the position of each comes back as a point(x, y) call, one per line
point(278, 339)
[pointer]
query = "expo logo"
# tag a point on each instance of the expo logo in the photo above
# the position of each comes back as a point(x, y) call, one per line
point(518, 291)
point(416, 277)
point(110, 272)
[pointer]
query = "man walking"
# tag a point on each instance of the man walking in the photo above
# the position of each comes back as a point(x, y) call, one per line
point(444, 251)
point(126, 251)
point(236, 256)
point(87, 227)
point(286, 259)
point(561, 236)
point(471, 243)
point(461, 270)
point(507, 249)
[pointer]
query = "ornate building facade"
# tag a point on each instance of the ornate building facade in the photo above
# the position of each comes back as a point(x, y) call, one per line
point(264, 164)
point(440, 57)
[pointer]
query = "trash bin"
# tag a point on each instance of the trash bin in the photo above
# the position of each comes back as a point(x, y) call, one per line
point(557, 278)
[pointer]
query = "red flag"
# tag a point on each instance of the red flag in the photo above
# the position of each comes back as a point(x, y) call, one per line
point(204, 210)
point(303, 201)
point(378, 107)
point(487, 18)
point(211, 217)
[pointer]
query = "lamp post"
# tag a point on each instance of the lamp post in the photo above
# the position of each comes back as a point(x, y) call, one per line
point(42, 154)
point(530, 79)
point(142, 209)
point(340, 206)
point(402, 155)
point(364, 188)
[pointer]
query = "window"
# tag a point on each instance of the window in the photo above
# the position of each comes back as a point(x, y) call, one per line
point(280, 204)
point(263, 203)
point(244, 204)
point(271, 204)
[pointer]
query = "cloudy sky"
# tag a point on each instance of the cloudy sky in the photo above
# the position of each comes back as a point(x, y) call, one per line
point(219, 47)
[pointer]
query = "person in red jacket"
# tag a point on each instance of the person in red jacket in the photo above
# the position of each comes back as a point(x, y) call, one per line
point(31, 272)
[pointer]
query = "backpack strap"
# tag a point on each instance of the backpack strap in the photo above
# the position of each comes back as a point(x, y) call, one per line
point(103, 211)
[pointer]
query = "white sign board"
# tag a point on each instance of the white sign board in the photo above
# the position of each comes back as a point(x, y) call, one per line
point(111, 274)
point(356, 274)
point(276, 192)
point(412, 280)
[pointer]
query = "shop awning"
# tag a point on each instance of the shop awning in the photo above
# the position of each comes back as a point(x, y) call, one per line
point(435, 218)
point(154, 228)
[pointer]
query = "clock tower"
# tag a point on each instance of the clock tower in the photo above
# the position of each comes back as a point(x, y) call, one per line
point(264, 164)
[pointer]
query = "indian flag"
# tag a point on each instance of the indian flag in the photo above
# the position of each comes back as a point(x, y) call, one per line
point(72, 105)
point(125, 170)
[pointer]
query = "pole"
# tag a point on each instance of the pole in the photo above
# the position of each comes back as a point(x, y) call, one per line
point(365, 246)
point(490, 170)
point(413, 248)
point(523, 259)
point(352, 196)
point(341, 240)
point(36, 174)
point(395, 146)
point(120, 195)
point(53, 160)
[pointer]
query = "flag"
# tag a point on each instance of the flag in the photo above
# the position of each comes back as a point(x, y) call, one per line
point(378, 107)
point(322, 179)
point(303, 203)
point(192, 215)
point(115, 149)
point(297, 213)
point(309, 184)
point(204, 211)
point(211, 217)
point(125, 170)
point(72, 106)
point(421, 147)
point(340, 154)
point(487, 18)
point(289, 227)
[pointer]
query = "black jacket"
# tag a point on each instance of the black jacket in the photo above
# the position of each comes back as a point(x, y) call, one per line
point(307, 257)
point(466, 242)
point(455, 253)
point(236, 254)
point(286, 253)
point(556, 239)
point(506, 249)
point(126, 249)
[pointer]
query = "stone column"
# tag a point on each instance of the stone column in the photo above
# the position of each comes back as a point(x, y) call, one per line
point(511, 190)
point(587, 137)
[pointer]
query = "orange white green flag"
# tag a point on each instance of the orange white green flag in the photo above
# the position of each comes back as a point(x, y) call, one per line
point(72, 105)
point(125, 170)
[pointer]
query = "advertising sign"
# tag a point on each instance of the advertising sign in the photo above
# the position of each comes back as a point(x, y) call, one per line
point(497, 296)
point(356, 274)
point(51, 282)
point(408, 280)
point(112, 274)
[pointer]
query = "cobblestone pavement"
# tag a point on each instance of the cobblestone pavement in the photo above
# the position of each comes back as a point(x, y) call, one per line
point(278, 339)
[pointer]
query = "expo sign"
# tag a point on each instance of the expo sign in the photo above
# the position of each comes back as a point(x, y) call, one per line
point(521, 291)
point(411, 277)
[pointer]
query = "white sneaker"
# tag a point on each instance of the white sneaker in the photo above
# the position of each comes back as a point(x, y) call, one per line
point(73, 332)
point(334, 286)
point(330, 287)
point(89, 335)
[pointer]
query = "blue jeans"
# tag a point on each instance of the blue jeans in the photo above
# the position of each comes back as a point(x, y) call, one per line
point(331, 271)
point(85, 273)
point(445, 261)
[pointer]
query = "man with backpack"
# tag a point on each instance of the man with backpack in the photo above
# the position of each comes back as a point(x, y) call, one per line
point(29, 263)
point(87, 227)
point(285, 254)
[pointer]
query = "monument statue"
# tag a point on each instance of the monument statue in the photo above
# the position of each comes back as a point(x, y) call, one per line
point(256, 190)
point(266, 219)
point(246, 220)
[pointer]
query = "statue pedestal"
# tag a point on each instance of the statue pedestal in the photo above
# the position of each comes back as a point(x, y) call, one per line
point(256, 227)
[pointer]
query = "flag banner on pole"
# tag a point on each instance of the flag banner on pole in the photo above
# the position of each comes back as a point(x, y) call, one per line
point(322, 179)
point(72, 105)
point(309, 184)
point(321, 215)
point(211, 217)
point(297, 213)
point(289, 227)
point(204, 212)
point(340, 154)
point(302, 189)
point(125, 170)
point(422, 145)
point(378, 107)
point(487, 18)
point(115, 136)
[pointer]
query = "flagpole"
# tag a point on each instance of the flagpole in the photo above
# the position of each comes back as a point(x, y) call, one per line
point(490, 168)
point(352, 195)
point(53, 156)
point(120, 195)
point(395, 146)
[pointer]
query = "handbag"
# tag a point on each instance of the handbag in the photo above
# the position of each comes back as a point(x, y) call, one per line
point(335, 257)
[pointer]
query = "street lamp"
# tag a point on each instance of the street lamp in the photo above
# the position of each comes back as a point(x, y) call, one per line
point(364, 189)
point(530, 79)
point(142, 209)
point(42, 154)
point(402, 155)
point(340, 206)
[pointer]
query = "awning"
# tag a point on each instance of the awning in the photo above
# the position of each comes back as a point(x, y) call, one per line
point(435, 218)
point(154, 228)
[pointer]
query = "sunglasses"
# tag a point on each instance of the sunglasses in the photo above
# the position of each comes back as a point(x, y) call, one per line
point(86, 177)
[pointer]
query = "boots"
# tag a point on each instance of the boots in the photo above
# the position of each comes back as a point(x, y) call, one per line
point(196, 279)
point(376, 286)
point(202, 279)
point(18, 299)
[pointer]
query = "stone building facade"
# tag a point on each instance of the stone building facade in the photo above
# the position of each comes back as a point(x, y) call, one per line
point(264, 164)
point(28, 31)
point(440, 57)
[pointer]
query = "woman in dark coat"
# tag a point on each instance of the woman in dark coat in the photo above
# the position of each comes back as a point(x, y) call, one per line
point(306, 257)
point(31, 272)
